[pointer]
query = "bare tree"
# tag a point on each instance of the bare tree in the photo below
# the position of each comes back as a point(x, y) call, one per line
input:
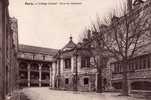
point(122, 38)
point(93, 46)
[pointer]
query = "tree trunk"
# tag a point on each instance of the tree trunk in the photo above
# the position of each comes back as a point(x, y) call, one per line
point(125, 81)
point(99, 76)
point(99, 83)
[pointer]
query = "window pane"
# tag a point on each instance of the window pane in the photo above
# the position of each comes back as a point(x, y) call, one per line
point(86, 81)
point(85, 62)
point(66, 81)
point(67, 63)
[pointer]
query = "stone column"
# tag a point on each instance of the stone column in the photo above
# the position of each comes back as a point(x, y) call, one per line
point(28, 74)
point(129, 87)
point(50, 76)
point(59, 74)
point(40, 65)
point(96, 78)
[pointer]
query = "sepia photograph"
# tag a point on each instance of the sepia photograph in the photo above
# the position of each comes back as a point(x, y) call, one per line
point(75, 49)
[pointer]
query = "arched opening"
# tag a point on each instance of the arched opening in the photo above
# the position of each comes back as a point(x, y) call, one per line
point(117, 85)
point(34, 75)
point(23, 84)
point(23, 66)
point(45, 67)
point(44, 84)
point(34, 66)
point(32, 84)
point(141, 85)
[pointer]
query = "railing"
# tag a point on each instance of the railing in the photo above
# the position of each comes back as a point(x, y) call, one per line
point(34, 70)
point(23, 69)
point(45, 69)
point(45, 81)
point(23, 80)
point(34, 80)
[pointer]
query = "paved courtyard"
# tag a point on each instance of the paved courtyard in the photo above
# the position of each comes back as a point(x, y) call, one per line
point(47, 94)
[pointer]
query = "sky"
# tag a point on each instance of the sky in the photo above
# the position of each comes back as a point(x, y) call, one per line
point(51, 25)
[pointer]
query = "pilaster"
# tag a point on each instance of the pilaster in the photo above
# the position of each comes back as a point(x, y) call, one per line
point(28, 74)
point(50, 80)
point(40, 65)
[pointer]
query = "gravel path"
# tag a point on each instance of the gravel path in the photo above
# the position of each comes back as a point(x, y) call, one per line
point(47, 94)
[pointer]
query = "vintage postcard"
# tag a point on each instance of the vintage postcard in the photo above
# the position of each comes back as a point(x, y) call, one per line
point(75, 49)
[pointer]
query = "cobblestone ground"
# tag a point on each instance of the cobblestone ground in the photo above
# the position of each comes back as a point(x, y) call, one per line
point(47, 94)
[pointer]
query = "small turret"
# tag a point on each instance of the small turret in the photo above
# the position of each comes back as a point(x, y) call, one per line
point(69, 45)
point(70, 38)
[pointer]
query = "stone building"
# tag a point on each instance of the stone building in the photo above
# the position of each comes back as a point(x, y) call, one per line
point(11, 55)
point(8, 51)
point(35, 66)
point(3, 38)
point(137, 19)
point(75, 68)
point(138, 73)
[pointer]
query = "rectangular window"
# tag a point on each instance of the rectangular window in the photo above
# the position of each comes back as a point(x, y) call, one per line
point(148, 61)
point(144, 62)
point(133, 65)
point(85, 62)
point(141, 64)
point(115, 67)
point(119, 68)
point(136, 63)
point(86, 81)
point(67, 63)
point(66, 81)
point(129, 66)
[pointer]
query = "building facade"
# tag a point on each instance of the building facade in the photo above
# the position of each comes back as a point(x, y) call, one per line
point(76, 69)
point(3, 27)
point(138, 69)
point(11, 55)
point(8, 50)
point(35, 66)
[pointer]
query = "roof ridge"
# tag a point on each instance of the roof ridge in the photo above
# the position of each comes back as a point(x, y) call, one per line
point(36, 46)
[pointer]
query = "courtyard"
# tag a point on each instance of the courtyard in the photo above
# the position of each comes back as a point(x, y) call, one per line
point(47, 94)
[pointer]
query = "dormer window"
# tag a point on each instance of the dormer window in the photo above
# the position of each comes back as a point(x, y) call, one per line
point(67, 62)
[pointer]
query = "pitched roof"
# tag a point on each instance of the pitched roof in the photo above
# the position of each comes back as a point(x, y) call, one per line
point(35, 49)
point(69, 45)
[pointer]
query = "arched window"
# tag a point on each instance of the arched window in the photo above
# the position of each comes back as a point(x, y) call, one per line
point(23, 66)
point(45, 67)
point(141, 85)
point(117, 85)
point(34, 66)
